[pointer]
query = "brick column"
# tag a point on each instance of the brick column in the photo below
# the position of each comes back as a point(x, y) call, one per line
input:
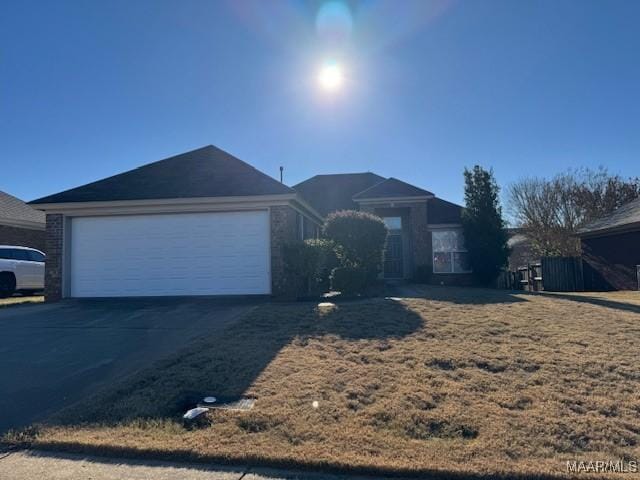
point(53, 263)
point(283, 231)
point(420, 236)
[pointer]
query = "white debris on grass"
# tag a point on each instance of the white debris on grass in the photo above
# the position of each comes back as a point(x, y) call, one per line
point(194, 412)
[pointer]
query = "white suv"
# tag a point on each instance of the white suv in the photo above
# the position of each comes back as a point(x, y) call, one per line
point(21, 269)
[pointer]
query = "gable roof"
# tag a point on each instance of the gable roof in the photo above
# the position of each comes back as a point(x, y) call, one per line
point(440, 211)
point(14, 212)
point(205, 172)
point(330, 193)
point(392, 188)
point(626, 216)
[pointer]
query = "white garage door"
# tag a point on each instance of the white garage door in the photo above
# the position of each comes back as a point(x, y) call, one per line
point(223, 253)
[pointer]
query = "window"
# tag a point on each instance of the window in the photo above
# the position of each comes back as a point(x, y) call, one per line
point(6, 253)
point(393, 223)
point(36, 256)
point(20, 254)
point(449, 254)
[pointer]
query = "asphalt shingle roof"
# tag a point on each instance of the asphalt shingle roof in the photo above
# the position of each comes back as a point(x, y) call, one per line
point(14, 210)
point(205, 172)
point(392, 187)
point(441, 211)
point(330, 193)
point(628, 214)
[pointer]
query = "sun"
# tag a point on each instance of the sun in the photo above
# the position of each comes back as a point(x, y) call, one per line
point(330, 77)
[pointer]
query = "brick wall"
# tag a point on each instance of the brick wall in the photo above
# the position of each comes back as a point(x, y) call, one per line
point(283, 231)
point(420, 235)
point(417, 245)
point(53, 264)
point(22, 237)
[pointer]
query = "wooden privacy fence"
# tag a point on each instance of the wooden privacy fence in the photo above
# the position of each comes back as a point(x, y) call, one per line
point(562, 274)
point(527, 278)
point(554, 274)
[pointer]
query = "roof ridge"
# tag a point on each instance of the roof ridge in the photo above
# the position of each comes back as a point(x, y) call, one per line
point(175, 177)
point(369, 188)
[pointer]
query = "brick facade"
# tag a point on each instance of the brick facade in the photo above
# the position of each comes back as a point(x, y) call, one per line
point(54, 264)
point(283, 231)
point(415, 230)
point(22, 237)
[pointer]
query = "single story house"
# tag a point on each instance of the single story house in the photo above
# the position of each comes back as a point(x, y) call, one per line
point(425, 232)
point(206, 223)
point(20, 224)
point(611, 249)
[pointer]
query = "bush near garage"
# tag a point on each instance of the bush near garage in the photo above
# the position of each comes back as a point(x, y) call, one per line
point(348, 280)
point(308, 266)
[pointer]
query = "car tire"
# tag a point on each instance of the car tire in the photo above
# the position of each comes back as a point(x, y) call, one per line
point(7, 284)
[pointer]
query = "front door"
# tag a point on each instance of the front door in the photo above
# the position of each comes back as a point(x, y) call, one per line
point(393, 255)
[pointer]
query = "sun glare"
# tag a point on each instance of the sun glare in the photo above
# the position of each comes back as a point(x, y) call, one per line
point(330, 77)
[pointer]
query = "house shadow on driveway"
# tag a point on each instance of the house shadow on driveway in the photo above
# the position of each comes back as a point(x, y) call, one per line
point(225, 364)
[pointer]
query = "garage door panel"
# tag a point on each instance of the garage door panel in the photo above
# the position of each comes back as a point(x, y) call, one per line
point(220, 253)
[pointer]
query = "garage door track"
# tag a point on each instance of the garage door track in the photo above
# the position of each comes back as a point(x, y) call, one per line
point(54, 354)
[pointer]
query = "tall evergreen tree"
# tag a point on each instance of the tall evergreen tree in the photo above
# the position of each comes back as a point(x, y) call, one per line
point(484, 229)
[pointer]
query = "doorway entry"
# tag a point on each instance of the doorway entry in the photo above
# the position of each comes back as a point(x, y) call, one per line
point(393, 252)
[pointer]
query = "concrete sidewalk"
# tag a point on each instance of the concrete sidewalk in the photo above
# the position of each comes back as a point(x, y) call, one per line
point(41, 465)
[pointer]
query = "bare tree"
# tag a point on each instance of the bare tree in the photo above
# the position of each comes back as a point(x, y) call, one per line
point(550, 211)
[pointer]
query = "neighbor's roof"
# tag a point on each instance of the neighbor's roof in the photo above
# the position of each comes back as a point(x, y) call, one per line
point(330, 193)
point(205, 172)
point(14, 212)
point(620, 219)
point(392, 188)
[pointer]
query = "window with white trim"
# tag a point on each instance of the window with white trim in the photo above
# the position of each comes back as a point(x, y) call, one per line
point(449, 254)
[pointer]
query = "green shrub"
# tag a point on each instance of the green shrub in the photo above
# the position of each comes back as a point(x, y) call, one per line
point(308, 266)
point(361, 238)
point(348, 280)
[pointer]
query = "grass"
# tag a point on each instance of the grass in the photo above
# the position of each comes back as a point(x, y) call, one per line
point(447, 381)
point(5, 302)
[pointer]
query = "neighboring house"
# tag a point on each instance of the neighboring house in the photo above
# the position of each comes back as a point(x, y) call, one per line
point(206, 223)
point(611, 249)
point(521, 249)
point(425, 232)
point(20, 224)
point(200, 223)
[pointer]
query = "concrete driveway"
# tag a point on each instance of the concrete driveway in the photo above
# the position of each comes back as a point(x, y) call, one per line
point(51, 355)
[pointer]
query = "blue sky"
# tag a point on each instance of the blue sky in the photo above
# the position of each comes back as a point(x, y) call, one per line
point(89, 89)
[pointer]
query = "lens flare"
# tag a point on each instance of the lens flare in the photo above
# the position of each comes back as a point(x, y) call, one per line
point(330, 77)
point(334, 22)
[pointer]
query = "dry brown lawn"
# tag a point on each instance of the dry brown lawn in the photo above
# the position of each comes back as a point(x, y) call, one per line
point(444, 380)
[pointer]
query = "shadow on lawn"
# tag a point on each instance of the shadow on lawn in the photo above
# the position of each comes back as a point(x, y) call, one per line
point(227, 364)
point(601, 302)
point(272, 469)
point(460, 295)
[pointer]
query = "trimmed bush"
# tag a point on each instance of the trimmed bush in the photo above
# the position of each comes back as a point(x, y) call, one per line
point(348, 280)
point(308, 266)
point(361, 238)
